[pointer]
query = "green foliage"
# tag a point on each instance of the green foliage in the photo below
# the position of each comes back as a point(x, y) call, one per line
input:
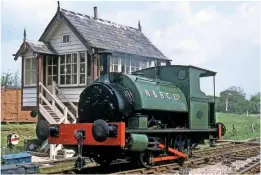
point(237, 102)
point(254, 104)
point(242, 126)
point(10, 80)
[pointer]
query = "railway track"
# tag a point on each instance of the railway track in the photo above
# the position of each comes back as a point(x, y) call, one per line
point(222, 148)
point(197, 162)
point(252, 167)
point(199, 159)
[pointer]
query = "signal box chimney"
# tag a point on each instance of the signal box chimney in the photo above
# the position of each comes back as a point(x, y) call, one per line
point(95, 13)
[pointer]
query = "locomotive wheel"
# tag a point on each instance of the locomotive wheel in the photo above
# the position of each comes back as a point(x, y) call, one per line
point(182, 144)
point(102, 161)
point(145, 159)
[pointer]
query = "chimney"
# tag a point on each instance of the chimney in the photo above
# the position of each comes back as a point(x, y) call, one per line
point(139, 26)
point(95, 13)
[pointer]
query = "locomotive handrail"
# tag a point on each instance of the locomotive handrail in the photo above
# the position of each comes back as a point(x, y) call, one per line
point(74, 107)
point(156, 82)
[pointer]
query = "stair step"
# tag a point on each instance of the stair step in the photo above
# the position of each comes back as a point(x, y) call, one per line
point(55, 116)
point(52, 113)
point(49, 109)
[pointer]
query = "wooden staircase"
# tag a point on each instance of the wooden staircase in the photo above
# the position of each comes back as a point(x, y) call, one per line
point(52, 113)
point(55, 113)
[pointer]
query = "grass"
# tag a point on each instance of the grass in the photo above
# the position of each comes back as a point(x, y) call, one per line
point(242, 130)
point(242, 126)
point(24, 131)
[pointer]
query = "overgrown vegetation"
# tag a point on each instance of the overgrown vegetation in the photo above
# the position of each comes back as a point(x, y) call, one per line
point(242, 126)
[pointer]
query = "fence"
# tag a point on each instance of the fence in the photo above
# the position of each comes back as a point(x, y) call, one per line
point(11, 107)
point(242, 131)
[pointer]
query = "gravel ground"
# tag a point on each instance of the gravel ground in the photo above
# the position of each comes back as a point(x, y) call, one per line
point(220, 168)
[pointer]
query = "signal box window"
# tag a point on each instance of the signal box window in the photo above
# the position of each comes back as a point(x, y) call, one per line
point(30, 65)
point(68, 69)
point(66, 38)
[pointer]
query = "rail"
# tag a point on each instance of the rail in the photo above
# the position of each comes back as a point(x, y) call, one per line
point(252, 167)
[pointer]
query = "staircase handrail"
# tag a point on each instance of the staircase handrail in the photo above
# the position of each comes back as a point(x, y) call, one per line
point(53, 97)
point(49, 105)
point(67, 100)
point(58, 102)
point(46, 115)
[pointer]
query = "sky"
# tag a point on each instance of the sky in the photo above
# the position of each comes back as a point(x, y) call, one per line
point(220, 36)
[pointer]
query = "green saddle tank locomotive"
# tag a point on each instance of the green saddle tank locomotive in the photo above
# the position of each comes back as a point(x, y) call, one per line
point(153, 115)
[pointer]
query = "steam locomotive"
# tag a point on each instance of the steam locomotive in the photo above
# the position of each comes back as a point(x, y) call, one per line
point(153, 115)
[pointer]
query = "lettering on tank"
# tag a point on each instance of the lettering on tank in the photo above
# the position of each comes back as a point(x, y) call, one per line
point(162, 95)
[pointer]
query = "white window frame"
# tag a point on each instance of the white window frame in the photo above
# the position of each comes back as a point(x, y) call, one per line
point(77, 67)
point(31, 70)
point(69, 42)
point(47, 66)
point(120, 62)
point(112, 63)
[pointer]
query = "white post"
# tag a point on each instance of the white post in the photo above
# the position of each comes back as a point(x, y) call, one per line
point(247, 112)
point(65, 112)
point(53, 92)
point(52, 151)
point(226, 104)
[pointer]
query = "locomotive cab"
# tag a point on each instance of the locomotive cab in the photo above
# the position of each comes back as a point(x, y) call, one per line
point(187, 78)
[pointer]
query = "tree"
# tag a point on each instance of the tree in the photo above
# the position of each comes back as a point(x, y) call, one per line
point(254, 104)
point(237, 102)
point(10, 80)
point(255, 98)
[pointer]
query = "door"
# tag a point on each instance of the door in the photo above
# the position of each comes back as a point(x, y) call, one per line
point(51, 73)
point(199, 114)
point(89, 70)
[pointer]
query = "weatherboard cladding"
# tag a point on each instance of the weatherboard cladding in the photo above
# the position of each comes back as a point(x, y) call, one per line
point(107, 35)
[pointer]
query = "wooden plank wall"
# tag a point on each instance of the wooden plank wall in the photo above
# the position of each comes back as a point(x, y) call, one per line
point(11, 107)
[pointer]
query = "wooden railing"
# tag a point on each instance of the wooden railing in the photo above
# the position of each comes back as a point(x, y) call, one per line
point(57, 101)
point(67, 100)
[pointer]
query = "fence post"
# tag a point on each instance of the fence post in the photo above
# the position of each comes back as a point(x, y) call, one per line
point(253, 128)
point(234, 129)
point(17, 104)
